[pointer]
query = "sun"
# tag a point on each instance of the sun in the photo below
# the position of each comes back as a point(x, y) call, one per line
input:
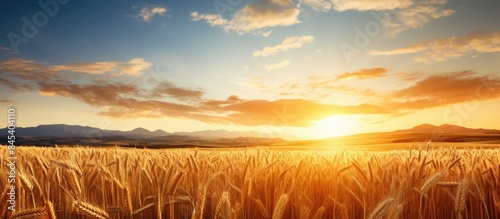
point(337, 125)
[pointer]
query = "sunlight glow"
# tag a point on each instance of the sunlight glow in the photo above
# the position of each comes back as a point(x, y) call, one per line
point(337, 125)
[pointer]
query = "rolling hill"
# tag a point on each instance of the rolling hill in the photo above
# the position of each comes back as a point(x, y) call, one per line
point(61, 134)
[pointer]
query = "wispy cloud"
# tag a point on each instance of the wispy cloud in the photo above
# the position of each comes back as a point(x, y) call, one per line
point(5, 100)
point(119, 99)
point(286, 44)
point(441, 50)
point(416, 16)
point(254, 17)
point(445, 89)
point(400, 51)
point(277, 65)
point(365, 5)
point(333, 81)
point(402, 14)
point(318, 5)
point(363, 73)
point(147, 12)
point(26, 67)
point(358, 5)
point(167, 88)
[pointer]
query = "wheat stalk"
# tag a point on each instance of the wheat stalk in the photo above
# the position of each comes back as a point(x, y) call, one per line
point(89, 210)
point(146, 207)
point(448, 184)
point(34, 213)
point(261, 207)
point(431, 181)
point(319, 213)
point(460, 197)
point(127, 200)
point(223, 209)
point(49, 208)
point(281, 205)
point(382, 209)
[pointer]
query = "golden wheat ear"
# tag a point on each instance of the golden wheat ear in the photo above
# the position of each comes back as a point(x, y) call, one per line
point(89, 210)
point(223, 209)
point(281, 206)
point(49, 208)
point(33, 213)
point(461, 196)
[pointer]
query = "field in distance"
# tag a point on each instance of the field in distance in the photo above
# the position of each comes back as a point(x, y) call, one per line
point(78, 182)
point(50, 135)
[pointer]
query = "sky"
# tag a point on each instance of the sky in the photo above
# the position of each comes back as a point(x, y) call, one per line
point(306, 68)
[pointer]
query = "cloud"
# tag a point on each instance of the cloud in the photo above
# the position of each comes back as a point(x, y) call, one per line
point(254, 17)
point(94, 94)
point(5, 100)
point(441, 50)
point(286, 44)
point(419, 14)
point(147, 12)
point(331, 81)
point(166, 88)
point(287, 112)
point(127, 101)
point(14, 85)
point(401, 51)
point(363, 73)
point(47, 93)
point(27, 69)
point(278, 65)
point(366, 5)
point(446, 89)
point(318, 5)
point(435, 90)
point(358, 5)
point(401, 15)
point(117, 99)
point(132, 67)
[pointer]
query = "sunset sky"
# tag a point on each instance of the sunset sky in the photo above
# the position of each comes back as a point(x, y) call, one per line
point(309, 68)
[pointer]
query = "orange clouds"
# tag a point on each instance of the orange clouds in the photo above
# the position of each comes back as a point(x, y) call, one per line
point(115, 98)
point(441, 50)
point(446, 89)
point(166, 88)
point(289, 112)
point(6, 100)
point(400, 51)
point(132, 67)
point(363, 73)
point(27, 68)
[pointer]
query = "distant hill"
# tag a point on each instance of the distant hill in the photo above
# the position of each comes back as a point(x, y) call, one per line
point(446, 128)
point(419, 133)
point(61, 130)
point(84, 135)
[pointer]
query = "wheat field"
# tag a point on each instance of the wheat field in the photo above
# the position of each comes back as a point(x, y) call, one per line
point(83, 182)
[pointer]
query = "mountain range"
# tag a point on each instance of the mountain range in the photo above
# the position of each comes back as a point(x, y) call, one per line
point(62, 134)
point(75, 134)
point(447, 128)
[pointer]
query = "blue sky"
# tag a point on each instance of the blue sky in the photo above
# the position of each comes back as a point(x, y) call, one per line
point(190, 65)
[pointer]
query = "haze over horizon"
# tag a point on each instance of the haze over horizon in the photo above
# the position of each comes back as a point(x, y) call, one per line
point(309, 68)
